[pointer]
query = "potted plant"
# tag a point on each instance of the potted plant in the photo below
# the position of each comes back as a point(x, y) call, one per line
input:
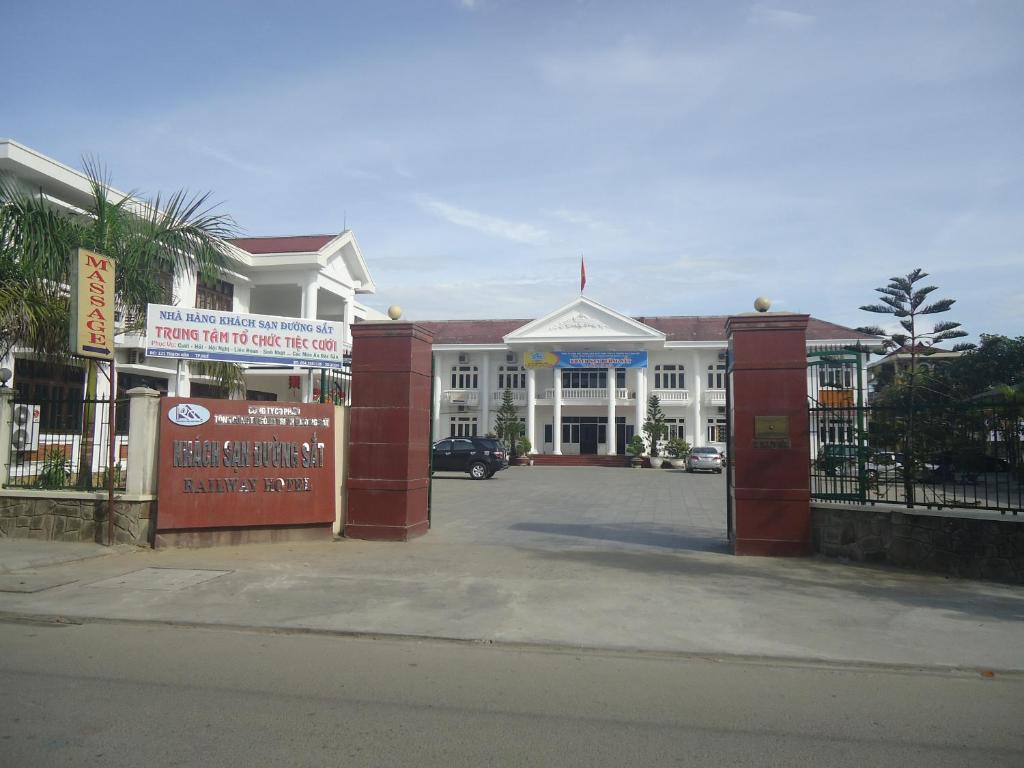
point(655, 428)
point(677, 449)
point(636, 449)
point(523, 448)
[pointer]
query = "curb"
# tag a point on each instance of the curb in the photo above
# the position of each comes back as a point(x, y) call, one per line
point(538, 646)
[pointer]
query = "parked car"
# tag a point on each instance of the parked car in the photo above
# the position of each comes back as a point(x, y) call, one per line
point(481, 457)
point(704, 458)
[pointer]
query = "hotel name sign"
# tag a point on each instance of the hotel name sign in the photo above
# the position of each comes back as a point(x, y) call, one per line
point(586, 359)
point(238, 463)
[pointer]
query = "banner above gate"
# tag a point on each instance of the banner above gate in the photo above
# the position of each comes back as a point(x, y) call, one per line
point(586, 359)
point(209, 334)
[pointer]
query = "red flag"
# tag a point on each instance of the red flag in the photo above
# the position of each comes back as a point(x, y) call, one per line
point(583, 274)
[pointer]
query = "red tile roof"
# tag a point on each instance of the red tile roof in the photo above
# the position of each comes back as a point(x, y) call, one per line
point(294, 244)
point(675, 328)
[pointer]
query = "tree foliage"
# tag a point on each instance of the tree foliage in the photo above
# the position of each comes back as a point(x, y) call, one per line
point(904, 299)
point(655, 428)
point(149, 239)
point(507, 425)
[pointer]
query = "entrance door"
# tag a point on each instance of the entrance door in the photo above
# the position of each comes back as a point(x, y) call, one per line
point(588, 438)
point(623, 434)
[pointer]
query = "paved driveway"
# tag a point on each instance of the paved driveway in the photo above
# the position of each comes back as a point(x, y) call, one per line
point(559, 508)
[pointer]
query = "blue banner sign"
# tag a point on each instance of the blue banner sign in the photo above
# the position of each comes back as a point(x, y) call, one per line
point(602, 359)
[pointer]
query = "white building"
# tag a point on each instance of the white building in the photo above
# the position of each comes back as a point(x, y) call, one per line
point(309, 277)
point(569, 410)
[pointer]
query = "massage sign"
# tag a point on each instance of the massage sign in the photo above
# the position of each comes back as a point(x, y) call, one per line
point(239, 464)
point(92, 305)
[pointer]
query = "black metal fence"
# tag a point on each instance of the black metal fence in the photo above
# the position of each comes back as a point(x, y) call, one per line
point(954, 455)
point(335, 386)
point(63, 444)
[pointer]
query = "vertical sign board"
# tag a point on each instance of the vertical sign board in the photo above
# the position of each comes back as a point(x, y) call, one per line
point(92, 305)
point(240, 463)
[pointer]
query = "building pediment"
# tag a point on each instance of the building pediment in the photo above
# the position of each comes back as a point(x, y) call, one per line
point(584, 320)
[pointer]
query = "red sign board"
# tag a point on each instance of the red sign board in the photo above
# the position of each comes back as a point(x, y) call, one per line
point(241, 463)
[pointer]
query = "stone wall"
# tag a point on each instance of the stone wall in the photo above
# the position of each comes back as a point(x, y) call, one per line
point(71, 516)
point(974, 546)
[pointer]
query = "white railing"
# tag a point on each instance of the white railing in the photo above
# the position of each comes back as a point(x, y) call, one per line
point(580, 394)
point(518, 396)
point(462, 396)
point(673, 396)
point(715, 396)
point(622, 394)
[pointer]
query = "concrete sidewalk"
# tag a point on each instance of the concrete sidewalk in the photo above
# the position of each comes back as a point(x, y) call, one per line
point(673, 601)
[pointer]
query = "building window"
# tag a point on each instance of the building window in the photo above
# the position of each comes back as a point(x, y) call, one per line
point(511, 377)
point(463, 426)
point(669, 377)
point(676, 428)
point(571, 427)
point(716, 376)
point(839, 375)
point(836, 432)
point(716, 429)
point(56, 388)
point(217, 295)
point(585, 379)
point(465, 377)
point(549, 434)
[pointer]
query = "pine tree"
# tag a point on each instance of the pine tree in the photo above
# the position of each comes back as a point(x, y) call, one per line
point(507, 424)
point(655, 427)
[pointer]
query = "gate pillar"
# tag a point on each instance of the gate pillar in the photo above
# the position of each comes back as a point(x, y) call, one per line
point(389, 442)
point(769, 444)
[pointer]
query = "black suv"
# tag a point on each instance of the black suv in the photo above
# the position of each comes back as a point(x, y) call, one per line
point(480, 456)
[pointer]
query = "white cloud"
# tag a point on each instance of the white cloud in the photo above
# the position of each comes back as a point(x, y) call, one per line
point(588, 220)
point(778, 17)
point(469, 5)
point(628, 64)
point(227, 158)
point(519, 232)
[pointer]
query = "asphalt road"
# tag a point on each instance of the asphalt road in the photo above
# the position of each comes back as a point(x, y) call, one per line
point(129, 695)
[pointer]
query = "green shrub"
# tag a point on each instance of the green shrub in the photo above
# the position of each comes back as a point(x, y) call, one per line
point(56, 470)
point(677, 448)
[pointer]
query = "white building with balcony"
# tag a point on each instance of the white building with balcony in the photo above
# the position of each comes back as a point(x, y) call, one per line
point(310, 277)
point(590, 410)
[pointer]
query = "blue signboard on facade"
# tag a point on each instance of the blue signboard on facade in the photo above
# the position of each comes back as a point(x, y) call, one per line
point(602, 359)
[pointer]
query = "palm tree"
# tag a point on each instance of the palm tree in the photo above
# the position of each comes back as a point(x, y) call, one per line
point(150, 240)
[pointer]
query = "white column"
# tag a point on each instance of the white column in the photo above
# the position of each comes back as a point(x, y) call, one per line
point(610, 431)
point(641, 400)
point(438, 385)
point(531, 407)
point(697, 388)
point(143, 423)
point(485, 393)
point(242, 297)
point(309, 298)
point(347, 319)
point(309, 308)
point(180, 384)
point(557, 428)
point(184, 288)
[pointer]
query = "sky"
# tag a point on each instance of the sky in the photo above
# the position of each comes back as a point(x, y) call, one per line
point(697, 154)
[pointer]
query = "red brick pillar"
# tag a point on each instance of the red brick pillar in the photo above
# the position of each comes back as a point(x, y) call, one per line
point(770, 452)
point(388, 467)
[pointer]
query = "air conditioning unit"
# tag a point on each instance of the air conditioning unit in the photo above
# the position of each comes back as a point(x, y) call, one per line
point(463, 357)
point(511, 357)
point(722, 355)
point(25, 427)
point(462, 409)
point(721, 409)
point(135, 357)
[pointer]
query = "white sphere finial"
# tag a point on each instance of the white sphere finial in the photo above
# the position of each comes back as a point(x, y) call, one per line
point(762, 303)
point(394, 311)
